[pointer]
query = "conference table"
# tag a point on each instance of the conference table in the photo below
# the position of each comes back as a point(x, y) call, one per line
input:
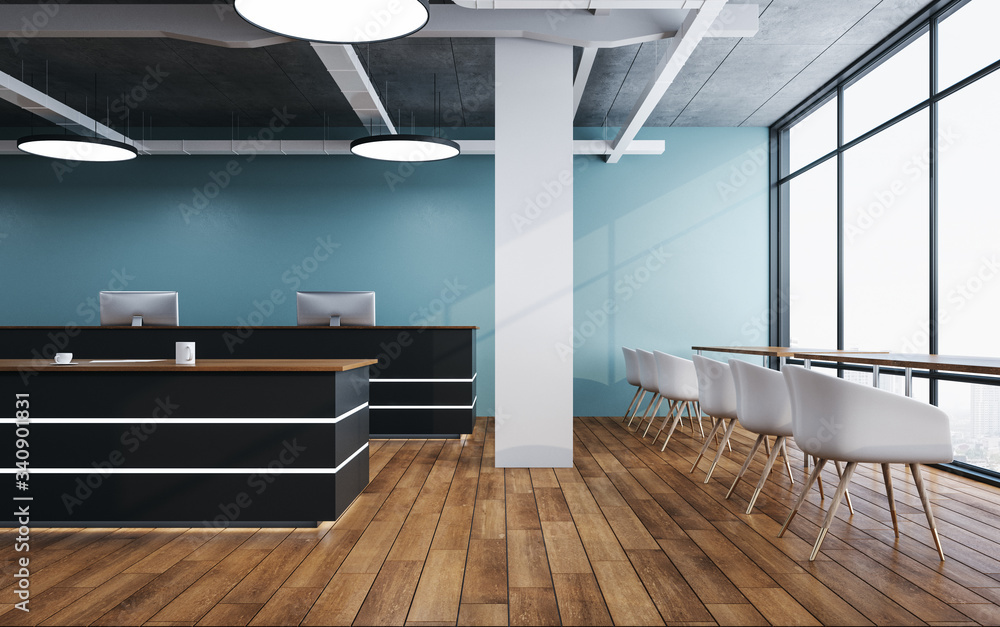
point(781, 352)
point(908, 362)
point(220, 443)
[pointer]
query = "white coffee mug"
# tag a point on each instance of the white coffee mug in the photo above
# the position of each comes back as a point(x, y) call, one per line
point(185, 353)
point(64, 358)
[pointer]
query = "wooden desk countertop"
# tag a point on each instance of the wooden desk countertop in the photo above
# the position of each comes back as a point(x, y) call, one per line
point(201, 365)
point(93, 327)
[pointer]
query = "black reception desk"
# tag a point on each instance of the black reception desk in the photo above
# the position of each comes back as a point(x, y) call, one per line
point(229, 442)
point(422, 385)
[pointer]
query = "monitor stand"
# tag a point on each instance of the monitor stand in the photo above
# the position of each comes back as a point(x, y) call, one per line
point(136, 321)
point(334, 321)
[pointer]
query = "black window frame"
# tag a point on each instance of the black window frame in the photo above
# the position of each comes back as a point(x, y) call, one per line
point(925, 21)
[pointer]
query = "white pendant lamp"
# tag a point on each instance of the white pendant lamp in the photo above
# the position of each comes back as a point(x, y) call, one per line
point(336, 21)
point(409, 148)
point(76, 148)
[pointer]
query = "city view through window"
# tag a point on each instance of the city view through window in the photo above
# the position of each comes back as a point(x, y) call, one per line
point(880, 195)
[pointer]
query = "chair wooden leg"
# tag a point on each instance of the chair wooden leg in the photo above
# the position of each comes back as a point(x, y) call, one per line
point(887, 475)
point(784, 456)
point(767, 471)
point(631, 403)
point(645, 413)
point(722, 448)
point(918, 480)
point(847, 494)
point(767, 447)
point(652, 418)
point(746, 464)
point(820, 480)
point(671, 407)
point(802, 495)
point(670, 432)
point(636, 410)
point(697, 410)
point(708, 441)
point(841, 488)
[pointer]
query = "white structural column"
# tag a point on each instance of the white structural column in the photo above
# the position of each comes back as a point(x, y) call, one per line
point(534, 253)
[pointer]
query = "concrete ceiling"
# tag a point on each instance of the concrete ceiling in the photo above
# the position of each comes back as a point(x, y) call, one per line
point(748, 81)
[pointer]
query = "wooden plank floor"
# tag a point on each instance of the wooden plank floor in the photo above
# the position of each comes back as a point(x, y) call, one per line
point(626, 536)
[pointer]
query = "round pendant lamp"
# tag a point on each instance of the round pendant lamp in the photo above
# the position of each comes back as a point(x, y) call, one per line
point(76, 148)
point(409, 148)
point(336, 21)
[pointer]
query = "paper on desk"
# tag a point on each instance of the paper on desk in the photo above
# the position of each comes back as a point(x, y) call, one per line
point(123, 361)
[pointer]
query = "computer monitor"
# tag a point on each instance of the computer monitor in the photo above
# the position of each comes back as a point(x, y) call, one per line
point(335, 309)
point(139, 309)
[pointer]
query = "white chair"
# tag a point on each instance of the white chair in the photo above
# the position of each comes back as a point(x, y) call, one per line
point(650, 381)
point(717, 395)
point(632, 376)
point(763, 407)
point(841, 420)
point(678, 383)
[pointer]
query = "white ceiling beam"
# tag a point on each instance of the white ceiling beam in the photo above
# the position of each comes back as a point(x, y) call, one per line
point(345, 67)
point(678, 52)
point(582, 75)
point(34, 101)
point(218, 25)
point(336, 147)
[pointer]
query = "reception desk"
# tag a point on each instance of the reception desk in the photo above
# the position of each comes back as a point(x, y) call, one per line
point(423, 383)
point(229, 442)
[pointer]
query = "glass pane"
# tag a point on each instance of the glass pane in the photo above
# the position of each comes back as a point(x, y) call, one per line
point(900, 82)
point(813, 257)
point(969, 220)
point(975, 421)
point(892, 383)
point(813, 136)
point(886, 252)
point(967, 41)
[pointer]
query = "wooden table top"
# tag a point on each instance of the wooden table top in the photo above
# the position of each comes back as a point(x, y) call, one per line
point(91, 327)
point(201, 365)
point(949, 363)
point(769, 351)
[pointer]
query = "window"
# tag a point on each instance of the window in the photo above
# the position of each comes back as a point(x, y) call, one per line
point(967, 41)
point(900, 82)
point(886, 253)
point(873, 285)
point(813, 257)
point(969, 220)
point(814, 136)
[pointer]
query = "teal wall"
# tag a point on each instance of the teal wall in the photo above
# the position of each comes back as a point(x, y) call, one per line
point(676, 247)
point(421, 237)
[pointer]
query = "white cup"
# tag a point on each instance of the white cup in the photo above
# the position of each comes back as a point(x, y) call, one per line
point(185, 353)
point(64, 358)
